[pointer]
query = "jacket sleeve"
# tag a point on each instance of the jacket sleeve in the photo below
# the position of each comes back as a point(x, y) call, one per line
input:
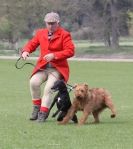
point(68, 48)
point(32, 44)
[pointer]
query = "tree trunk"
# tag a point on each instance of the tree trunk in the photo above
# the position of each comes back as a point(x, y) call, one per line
point(107, 39)
point(115, 36)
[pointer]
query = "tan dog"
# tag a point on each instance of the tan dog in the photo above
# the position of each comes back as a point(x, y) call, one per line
point(89, 101)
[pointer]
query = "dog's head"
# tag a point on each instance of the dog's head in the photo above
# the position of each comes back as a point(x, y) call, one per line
point(81, 91)
point(59, 85)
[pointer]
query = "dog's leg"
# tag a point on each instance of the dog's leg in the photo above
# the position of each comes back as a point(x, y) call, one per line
point(69, 115)
point(96, 117)
point(54, 114)
point(61, 115)
point(110, 105)
point(54, 101)
point(86, 113)
point(83, 118)
point(75, 119)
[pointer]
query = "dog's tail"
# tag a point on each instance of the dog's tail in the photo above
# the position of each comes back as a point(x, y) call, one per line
point(108, 101)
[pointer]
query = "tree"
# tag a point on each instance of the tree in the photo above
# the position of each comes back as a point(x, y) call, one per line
point(105, 20)
point(115, 21)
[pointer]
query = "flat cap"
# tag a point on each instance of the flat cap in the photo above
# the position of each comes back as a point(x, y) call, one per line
point(52, 17)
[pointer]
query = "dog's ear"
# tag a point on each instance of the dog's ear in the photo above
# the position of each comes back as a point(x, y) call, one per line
point(86, 86)
point(75, 85)
point(62, 80)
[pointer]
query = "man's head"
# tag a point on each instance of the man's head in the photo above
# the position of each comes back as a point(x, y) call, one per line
point(52, 21)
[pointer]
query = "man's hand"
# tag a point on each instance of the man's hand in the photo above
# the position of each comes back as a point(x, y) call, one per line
point(25, 55)
point(49, 57)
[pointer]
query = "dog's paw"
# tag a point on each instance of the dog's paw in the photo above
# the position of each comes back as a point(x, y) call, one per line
point(61, 123)
point(79, 124)
point(113, 115)
point(95, 122)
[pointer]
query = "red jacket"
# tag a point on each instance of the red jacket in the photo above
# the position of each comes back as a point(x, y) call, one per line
point(61, 45)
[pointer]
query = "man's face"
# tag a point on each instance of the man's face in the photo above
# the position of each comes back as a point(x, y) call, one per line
point(52, 26)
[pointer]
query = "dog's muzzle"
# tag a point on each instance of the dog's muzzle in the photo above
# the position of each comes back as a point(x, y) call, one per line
point(79, 97)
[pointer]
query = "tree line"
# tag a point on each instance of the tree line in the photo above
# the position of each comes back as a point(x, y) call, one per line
point(105, 20)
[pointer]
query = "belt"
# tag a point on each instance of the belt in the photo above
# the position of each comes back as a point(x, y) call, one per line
point(48, 65)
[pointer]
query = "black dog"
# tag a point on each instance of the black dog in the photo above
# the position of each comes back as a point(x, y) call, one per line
point(62, 100)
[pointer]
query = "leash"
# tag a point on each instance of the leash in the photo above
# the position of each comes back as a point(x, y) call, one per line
point(20, 67)
point(70, 87)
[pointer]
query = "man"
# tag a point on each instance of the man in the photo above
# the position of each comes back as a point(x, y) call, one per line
point(55, 47)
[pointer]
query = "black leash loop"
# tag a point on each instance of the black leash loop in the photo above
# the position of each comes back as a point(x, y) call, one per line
point(70, 87)
point(20, 67)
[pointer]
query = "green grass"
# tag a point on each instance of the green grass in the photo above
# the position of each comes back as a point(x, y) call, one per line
point(17, 132)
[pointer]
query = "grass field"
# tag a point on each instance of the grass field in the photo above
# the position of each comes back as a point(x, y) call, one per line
point(17, 132)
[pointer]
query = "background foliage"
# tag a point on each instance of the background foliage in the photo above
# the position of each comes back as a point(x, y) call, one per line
point(104, 20)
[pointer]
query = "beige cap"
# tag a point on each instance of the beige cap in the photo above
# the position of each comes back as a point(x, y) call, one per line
point(52, 17)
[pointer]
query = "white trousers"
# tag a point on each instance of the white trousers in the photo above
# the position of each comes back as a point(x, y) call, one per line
point(49, 75)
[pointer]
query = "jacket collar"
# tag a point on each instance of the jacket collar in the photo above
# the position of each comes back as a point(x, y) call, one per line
point(56, 34)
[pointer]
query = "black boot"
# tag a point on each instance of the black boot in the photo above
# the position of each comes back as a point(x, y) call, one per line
point(42, 116)
point(34, 115)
